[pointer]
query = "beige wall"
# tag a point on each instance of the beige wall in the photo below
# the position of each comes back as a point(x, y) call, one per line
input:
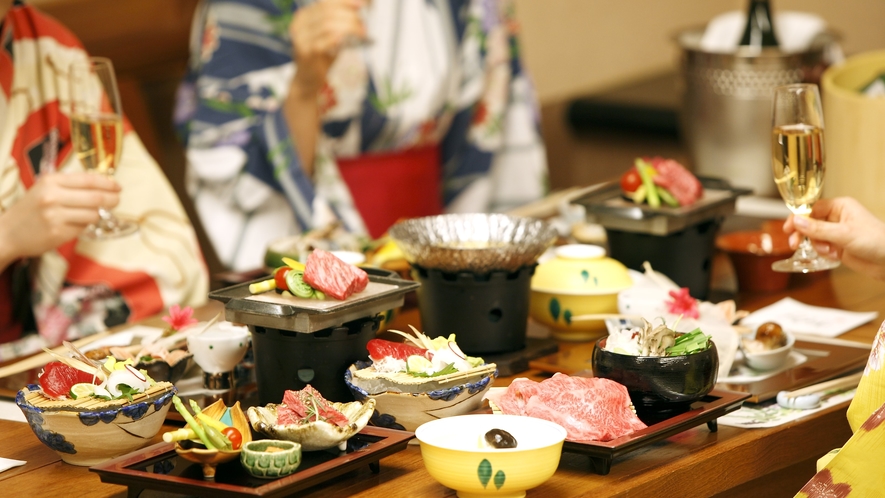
point(574, 47)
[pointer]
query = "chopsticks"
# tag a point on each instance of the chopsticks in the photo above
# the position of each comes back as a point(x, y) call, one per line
point(40, 359)
point(842, 382)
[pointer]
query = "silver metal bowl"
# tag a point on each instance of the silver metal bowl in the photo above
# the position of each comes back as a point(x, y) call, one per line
point(478, 243)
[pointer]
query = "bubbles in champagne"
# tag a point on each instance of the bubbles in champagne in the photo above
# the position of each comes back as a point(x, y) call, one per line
point(97, 141)
point(798, 164)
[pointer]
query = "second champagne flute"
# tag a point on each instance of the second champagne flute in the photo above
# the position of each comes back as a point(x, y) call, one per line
point(97, 132)
point(798, 162)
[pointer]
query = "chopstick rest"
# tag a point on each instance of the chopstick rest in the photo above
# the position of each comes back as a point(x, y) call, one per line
point(811, 396)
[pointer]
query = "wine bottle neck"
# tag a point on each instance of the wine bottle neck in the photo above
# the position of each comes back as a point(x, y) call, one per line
point(759, 31)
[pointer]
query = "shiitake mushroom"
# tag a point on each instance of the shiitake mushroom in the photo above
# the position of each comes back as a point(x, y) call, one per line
point(499, 439)
point(771, 335)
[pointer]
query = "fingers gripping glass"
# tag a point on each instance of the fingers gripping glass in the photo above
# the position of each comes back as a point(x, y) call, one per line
point(97, 132)
point(798, 164)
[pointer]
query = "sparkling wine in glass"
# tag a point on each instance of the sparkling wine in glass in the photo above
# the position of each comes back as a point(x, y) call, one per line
point(97, 132)
point(798, 162)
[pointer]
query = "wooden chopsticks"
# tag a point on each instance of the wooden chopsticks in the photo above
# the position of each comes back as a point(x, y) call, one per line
point(841, 382)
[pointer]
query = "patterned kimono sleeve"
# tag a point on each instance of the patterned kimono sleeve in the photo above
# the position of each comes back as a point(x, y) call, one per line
point(242, 163)
point(493, 156)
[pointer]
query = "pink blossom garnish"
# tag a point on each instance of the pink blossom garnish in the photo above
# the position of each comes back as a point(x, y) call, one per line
point(180, 318)
point(683, 304)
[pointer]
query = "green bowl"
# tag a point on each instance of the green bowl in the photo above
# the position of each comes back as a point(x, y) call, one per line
point(261, 463)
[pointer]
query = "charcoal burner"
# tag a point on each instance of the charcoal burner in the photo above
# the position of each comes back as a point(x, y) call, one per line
point(296, 342)
point(488, 313)
point(475, 273)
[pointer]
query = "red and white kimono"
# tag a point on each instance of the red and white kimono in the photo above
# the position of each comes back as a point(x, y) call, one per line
point(83, 286)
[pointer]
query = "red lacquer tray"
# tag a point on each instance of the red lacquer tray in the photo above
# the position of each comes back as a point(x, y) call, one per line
point(158, 467)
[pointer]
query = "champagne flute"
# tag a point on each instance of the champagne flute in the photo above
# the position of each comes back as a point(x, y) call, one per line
point(97, 132)
point(798, 163)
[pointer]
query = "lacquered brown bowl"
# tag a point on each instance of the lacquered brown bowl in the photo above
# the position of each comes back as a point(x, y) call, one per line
point(752, 252)
point(659, 386)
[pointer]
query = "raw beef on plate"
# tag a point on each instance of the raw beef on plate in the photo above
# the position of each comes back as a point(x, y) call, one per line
point(328, 273)
point(590, 408)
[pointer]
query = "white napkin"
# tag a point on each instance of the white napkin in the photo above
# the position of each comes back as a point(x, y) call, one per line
point(8, 463)
point(794, 30)
point(10, 411)
point(801, 318)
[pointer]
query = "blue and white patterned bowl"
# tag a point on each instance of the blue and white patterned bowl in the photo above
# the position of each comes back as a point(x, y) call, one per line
point(92, 436)
point(408, 410)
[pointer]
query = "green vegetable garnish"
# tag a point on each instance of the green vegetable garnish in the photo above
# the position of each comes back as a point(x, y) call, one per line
point(449, 369)
point(689, 343)
point(651, 190)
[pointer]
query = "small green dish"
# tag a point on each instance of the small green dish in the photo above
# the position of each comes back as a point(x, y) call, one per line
point(264, 464)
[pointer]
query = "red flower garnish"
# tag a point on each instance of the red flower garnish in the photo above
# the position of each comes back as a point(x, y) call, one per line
point(683, 304)
point(180, 318)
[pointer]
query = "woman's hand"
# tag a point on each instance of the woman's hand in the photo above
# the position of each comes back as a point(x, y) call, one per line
point(55, 210)
point(843, 229)
point(318, 31)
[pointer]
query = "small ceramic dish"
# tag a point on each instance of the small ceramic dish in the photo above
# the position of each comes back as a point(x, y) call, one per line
point(313, 436)
point(210, 459)
point(769, 359)
point(270, 459)
point(578, 280)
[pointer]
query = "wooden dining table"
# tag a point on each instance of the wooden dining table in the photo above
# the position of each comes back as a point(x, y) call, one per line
point(768, 462)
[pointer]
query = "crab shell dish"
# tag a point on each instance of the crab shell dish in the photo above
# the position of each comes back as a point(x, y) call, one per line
point(313, 436)
point(209, 459)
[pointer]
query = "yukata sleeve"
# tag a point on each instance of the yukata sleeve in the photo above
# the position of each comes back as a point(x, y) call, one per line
point(243, 169)
point(493, 155)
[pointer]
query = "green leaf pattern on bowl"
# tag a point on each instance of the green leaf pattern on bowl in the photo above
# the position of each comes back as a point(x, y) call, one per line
point(484, 472)
point(554, 308)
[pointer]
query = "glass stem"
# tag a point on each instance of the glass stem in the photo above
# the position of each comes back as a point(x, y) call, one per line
point(805, 251)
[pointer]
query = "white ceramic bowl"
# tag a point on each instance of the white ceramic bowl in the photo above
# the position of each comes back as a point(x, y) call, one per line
point(221, 348)
point(770, 359)
point(452, 453)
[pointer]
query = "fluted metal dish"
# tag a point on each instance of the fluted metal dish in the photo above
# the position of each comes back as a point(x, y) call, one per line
point(476, 242)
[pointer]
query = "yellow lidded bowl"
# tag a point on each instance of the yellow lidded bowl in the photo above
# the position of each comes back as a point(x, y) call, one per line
point(579, 280)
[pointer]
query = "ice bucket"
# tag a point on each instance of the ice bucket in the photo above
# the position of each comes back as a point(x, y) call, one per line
point(726, 108)
point(855, 127)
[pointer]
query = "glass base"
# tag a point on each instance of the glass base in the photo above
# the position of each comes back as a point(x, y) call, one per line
point(804, 265)
point(109, 228)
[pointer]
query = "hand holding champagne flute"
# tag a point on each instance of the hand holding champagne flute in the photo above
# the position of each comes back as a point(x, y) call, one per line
point(97, 132)
point(798, 164)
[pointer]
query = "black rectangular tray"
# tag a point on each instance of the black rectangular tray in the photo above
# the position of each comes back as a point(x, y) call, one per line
point(158, 467)
point(310, 315)
point(608, 208)
point(707, 410)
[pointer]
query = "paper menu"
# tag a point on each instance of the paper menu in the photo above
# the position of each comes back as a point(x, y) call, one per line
point(800, 318)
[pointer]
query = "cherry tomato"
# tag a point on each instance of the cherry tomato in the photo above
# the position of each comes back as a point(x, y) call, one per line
point(234, 436)
point(630, 181)
point(279, 276)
